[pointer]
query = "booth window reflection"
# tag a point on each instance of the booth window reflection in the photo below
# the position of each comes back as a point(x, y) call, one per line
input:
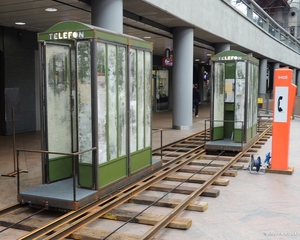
point(160, 90)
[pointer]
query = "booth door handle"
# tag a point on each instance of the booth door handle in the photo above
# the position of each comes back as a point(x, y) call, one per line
point(72, 103)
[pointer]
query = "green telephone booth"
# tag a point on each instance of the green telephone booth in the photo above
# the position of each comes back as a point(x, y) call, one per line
point(96, 92)
point(234, 98)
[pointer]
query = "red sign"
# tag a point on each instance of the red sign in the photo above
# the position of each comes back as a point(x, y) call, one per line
point(167, 62)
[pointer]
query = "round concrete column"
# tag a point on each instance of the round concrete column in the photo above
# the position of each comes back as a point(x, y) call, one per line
point(220, 47)
point(262, 87)
point(108, 14)
point(183, 39)
point(276, 65)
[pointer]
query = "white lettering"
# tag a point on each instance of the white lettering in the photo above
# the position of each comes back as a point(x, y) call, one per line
point(282, 77)
point(75, 35)
point(81, 34)
point(230, 58)
point(66, 35)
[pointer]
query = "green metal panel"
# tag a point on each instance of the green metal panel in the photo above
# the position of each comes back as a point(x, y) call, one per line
point(135, 42)
point(238, 135)
point(254, 130)
point(140, 159)
point(112, 171)
point(60, 168)
point(102, 35)
point(248, 134)
point(85, 178)
point(229, 107)
point(230, 70)
point(108, 172)
point(228, 126)
point(218, 133)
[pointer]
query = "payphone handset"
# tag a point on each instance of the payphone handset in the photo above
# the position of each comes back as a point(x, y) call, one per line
point(278, 104)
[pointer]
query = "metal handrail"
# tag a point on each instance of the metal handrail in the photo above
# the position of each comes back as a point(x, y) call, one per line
point(155, 130)
point(251, 4)
point(18, 150)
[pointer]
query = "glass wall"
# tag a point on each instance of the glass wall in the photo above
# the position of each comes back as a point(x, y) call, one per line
point(160, 90)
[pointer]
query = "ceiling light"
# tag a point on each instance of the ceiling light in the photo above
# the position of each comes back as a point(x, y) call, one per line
point(19, 23)
point(50, 9)
point(147, 37)
point(197, 60)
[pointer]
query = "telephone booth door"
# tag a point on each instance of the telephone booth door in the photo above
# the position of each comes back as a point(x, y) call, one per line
point(218, 102)
point(61, 110)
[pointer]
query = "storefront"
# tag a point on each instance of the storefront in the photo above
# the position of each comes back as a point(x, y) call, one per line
point(160, 88)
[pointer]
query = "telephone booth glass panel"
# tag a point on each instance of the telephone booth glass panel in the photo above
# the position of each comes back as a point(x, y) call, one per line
point(219, 94)
point(132, 101)
point(240, 98)
point(141, 99)
point(148, 105)
point(58, 118)
point(101, 93)
point(122, 100)
point(112, 101)
point(84, 99)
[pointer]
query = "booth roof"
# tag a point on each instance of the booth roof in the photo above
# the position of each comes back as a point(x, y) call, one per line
point(67, 26)
point(231, 53)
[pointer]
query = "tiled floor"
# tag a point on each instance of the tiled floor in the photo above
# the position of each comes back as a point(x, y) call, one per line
point(252, 206)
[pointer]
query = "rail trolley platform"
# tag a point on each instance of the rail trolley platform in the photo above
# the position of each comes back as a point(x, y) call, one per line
point(60, 195)
point(227, 144)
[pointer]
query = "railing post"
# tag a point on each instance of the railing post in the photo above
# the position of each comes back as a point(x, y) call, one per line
point(74, 178)
point(161, 142)
point(18, 173)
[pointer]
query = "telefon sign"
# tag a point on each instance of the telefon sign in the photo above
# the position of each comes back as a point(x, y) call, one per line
point(66, 35)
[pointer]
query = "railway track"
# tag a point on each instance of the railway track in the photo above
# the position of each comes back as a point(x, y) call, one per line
point(185, 156)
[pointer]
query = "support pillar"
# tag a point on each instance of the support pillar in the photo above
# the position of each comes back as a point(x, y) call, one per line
point(182, 77)
point(108, 14)
point(262, 87)
point(272, 74)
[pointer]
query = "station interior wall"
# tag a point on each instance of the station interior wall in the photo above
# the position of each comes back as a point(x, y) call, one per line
point(19, 48)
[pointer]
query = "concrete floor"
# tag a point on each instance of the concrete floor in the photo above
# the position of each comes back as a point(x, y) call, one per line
point(252, 206)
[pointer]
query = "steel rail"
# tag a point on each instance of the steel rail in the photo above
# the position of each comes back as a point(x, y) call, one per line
point(96, 213)
point(94, 210)
point(10, 209)
point(168, 218)
point(199, 134)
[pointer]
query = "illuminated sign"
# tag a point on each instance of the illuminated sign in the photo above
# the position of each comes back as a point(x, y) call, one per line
point(230, 58)
point(66, 35)
point(260, 100)
point(167, 62)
